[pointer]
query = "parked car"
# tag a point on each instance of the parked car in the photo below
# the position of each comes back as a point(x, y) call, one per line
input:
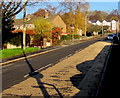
point(111, 36)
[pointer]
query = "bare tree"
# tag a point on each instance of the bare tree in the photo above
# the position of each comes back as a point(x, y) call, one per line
point(12, 8)
point(72, 5)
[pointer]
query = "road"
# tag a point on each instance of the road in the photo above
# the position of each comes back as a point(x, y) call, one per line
point(14, 73)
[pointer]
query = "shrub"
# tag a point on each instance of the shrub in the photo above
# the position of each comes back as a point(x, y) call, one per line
point(17, 38)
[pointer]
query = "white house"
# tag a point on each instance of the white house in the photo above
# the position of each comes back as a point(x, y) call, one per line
point(98, 23)
point(113, 25)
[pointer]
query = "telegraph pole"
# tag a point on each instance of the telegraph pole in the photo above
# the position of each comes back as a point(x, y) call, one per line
point(24, 29)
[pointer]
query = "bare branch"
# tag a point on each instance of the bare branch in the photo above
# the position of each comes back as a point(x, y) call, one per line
point(15, 8)
point(19, 10)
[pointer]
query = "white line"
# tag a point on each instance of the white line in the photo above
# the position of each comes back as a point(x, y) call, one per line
point(39, 69)
point(26, 75)
point(70, 55)
point(43, 67)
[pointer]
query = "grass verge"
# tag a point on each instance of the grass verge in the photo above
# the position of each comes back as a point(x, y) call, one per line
point(6, 53)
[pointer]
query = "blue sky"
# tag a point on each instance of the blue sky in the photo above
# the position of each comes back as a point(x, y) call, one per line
point(102, 6)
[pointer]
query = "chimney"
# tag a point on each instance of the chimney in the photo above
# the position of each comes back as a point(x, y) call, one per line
point(46, 14)
point(28, 17)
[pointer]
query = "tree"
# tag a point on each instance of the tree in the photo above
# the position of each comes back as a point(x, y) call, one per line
point(42, 27)
point(91, 28)
point(75, 16)
point(79, 20)
point(9, 10)
point(69, 19)
point(71, 5)
point(113, 15)
point(98, 15)
point(56, 34)
point(40, 13)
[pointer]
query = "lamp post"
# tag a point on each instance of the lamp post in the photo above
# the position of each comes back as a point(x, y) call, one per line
point(24, 29)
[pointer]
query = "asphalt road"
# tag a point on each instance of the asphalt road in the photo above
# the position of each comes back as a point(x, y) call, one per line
point(16, 72)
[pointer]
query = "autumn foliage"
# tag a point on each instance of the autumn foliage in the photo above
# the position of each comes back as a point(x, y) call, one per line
point(30, 32)
point(56, 34)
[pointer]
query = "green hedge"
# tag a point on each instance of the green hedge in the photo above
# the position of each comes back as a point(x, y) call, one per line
point(17, 38)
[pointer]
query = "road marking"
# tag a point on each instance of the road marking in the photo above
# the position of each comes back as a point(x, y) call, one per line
point(43, 67)
point(39, 69)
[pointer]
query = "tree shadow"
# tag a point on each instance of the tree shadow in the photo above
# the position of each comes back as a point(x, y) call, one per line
point(89, 71)
point(83, 68)
point(38, 77)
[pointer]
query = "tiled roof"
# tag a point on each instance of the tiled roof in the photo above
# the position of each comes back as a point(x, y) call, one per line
point(31, 21)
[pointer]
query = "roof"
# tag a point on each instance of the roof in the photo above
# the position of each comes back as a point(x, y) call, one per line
point(18, 21)
point(31, 21)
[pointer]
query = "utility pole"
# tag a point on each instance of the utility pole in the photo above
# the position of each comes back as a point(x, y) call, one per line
point(24, 28)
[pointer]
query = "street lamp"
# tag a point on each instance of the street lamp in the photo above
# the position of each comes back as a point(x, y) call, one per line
point(24, 29)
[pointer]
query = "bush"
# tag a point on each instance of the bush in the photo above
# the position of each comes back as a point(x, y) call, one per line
point(77, 36)
point(17, 39)
point(64, 37)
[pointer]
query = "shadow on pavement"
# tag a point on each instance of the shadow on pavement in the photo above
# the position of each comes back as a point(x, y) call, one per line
point(38, 76)
point(90, 75)
point(83, 68)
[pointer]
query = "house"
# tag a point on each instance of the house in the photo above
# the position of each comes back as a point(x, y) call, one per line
point(98, 23)
point(56, 20)
point(113, 25)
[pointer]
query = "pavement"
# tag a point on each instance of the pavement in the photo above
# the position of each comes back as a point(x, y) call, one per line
point(77, 75)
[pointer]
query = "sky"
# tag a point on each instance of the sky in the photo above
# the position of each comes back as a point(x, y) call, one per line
point(101, 6)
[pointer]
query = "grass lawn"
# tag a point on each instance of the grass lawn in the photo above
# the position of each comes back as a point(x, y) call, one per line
point(6, 53)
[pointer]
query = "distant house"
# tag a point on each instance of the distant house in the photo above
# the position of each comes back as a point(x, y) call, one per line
point(113, 25)
point(98, 23)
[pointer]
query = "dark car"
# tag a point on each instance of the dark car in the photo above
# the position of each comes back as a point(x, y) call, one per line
point(111, 36)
